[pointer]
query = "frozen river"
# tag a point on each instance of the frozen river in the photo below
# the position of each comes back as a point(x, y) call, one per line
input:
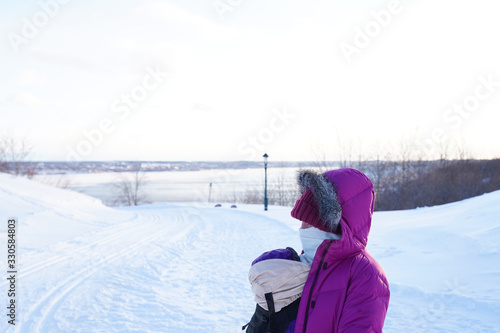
point(228, 185)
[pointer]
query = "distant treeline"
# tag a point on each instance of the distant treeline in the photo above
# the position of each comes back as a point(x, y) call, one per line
point(404, 184)
point(411, 184)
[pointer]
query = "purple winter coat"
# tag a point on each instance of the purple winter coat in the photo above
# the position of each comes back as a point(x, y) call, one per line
point(346, 290)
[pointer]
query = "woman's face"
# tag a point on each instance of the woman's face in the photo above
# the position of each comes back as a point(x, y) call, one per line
point(305, 225)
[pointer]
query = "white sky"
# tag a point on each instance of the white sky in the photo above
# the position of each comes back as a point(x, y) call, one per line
point(229, 76)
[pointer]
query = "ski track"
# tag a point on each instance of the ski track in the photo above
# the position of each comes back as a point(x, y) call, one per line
point(70, 249)
point(44, 308)
point(47, 263)
point(57, 294)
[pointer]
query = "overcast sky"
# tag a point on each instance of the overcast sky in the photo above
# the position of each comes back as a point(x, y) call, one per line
point(231, 80)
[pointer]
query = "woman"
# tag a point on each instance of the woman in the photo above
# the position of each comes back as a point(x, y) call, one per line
point(342, 287)
point(346, 289)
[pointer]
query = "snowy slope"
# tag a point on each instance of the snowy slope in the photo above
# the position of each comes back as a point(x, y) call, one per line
point(85, 267)
point(443, 264)
point(50, 214)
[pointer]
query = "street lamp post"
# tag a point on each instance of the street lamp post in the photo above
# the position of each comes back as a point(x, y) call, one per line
point(265, 180)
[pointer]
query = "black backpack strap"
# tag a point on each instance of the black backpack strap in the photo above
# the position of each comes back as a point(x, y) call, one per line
point(270, 302)
point(272, 318)
point(259, 322)
point(265, 321)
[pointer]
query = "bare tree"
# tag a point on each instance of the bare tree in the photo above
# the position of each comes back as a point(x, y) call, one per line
point(283, 190)
point(321, 160)
point(232, 196)
point(130, 187)
point(347, 147)
point(61, 181)
point(462, 149)
point(345, 151)
point(377, 170)
point(3, 162)
point(14, 154)
point(253, 195)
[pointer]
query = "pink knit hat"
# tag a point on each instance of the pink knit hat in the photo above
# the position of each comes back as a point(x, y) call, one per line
point(306, 210)
point(318, 205)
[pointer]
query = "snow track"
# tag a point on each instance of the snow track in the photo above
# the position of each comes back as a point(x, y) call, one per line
point(43, 310)
point(79, 261)
point(69, 250)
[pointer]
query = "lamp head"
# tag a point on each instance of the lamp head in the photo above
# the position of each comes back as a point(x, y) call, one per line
point(265, 158)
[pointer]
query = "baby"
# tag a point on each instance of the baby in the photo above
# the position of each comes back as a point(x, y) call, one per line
point(277, 278)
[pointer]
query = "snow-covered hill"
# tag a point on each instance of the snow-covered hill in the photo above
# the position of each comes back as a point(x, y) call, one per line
point(85, 267)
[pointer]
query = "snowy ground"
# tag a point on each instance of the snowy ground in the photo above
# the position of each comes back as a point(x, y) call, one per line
point(84, 267)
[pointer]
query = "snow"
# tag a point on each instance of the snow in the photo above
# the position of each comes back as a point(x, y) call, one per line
point(85, 267)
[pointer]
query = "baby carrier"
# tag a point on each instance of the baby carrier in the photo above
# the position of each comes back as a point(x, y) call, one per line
point(277, 278)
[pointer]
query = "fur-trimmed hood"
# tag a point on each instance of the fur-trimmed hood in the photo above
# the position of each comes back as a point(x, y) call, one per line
point(338, 201)
point(325, 198)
